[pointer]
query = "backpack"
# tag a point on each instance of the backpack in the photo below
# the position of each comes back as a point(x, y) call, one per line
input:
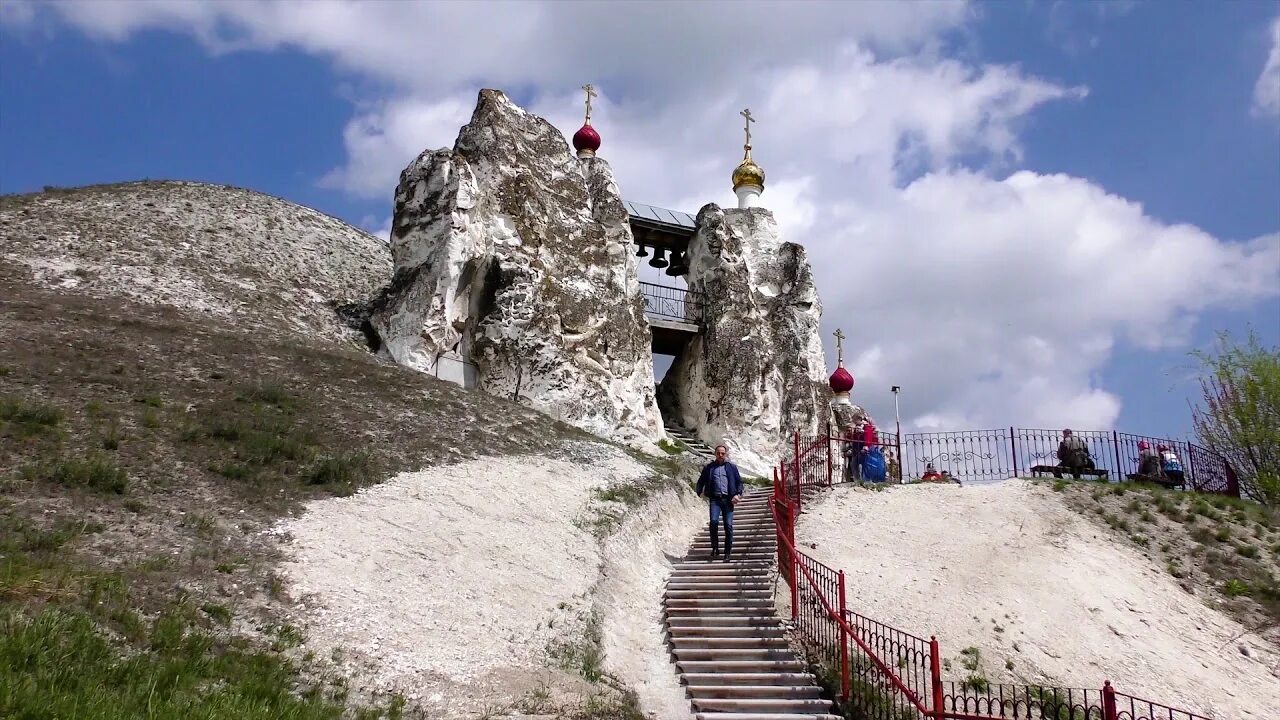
point(1170, 462)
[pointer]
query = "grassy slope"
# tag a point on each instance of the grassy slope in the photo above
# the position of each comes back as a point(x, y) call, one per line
point(1226, 550)
point(143, 453)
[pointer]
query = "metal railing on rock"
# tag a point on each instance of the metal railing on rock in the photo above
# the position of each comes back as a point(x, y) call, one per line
point(672, 303)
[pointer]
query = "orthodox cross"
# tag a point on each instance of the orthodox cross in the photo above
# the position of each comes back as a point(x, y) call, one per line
point(591, 92)
point(747, 114)
point(839, 345)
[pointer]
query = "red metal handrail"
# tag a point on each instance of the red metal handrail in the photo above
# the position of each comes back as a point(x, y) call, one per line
point(844, 626)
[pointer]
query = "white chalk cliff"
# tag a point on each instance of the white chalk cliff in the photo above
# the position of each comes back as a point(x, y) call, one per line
point(757, 371)
point(514, 255)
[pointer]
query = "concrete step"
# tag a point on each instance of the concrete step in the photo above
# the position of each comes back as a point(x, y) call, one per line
point(706, 692)
point(766, 716)
point(718, 611)
point(704, 653)
point(702, 562)
point(719, 584)
point(727, 631)
point(692, 599)
point(758, 705)
point(695, 642)
point(740, 666)
point(722, 570)
point(748, 678)
point(739, 621)
point(716, 594)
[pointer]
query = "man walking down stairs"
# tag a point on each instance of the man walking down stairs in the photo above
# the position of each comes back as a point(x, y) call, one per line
point(724, 634)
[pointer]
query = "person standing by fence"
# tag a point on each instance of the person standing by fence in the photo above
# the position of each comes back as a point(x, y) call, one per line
point(721, 483)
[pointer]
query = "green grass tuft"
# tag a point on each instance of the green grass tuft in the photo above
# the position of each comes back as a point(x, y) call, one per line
point(20, 419)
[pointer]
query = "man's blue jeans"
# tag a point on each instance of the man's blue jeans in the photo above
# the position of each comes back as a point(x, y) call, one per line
point(721, 507)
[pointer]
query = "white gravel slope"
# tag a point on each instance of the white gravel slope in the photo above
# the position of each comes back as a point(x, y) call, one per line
point(1080, 607)
point(448, 585)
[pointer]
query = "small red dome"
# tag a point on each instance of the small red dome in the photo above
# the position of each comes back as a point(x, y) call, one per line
point(841, 381)
point(586, 140)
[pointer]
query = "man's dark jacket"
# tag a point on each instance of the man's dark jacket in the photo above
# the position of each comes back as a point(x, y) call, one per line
point(730, 471)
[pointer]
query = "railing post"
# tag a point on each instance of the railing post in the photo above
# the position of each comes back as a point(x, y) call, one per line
point(1013, 448)
point(828, 454)
point(845, 680)
point(935, 678)
point(902, 462)
point(1191, 469)
point(795, 579)
point(1108, 701)
point(799, 484)
point(1115, 442)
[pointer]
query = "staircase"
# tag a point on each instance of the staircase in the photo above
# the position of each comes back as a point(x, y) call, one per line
point(686, 437)
point(726, 638)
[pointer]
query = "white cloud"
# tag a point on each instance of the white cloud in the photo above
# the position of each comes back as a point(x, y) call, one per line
point(1266, 93)
point(994, 295)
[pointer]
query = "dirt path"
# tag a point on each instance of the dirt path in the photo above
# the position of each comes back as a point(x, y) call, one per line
point(1043, 594)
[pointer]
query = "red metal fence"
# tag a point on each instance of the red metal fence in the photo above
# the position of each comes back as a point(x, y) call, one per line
point(1004, 453)
point(881, 673)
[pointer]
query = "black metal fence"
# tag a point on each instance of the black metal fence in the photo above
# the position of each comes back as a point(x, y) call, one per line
point(1008, 452)
point(672, 303)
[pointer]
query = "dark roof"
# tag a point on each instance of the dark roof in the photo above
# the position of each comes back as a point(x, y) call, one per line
point(649, 214)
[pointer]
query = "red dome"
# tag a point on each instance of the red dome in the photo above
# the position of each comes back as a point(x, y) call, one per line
point(841, 381)
point(586, 139)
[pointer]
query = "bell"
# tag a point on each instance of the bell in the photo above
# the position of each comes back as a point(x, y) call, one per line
point(642, 252)
point(677, 266)
point(659, 258)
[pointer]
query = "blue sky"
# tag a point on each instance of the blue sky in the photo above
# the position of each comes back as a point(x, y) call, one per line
point(1147, 113)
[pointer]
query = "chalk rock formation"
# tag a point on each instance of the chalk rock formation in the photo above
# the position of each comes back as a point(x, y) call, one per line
point(515, 256)
point(757, 371)
point(233, 253)
point(845, 415)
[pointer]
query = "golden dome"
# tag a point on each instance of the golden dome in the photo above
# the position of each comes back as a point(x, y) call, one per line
point(748, 173)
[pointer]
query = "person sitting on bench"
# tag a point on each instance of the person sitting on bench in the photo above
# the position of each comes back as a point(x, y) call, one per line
point(1148, 465)
point(1073, 454)
point(1170, 465)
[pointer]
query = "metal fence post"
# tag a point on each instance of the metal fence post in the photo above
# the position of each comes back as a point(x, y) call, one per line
point(902, 462)
point(799, 483)
point(795, 580)
point(1115, 443)
point(935, 677)
point(828, 454)
point(1191, 469)
point(1108, 701)
point(846, 681)
point(1013, 449)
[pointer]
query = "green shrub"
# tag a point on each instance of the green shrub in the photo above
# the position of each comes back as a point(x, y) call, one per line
point(343, 472)
point(20, 419)
point(1235, 588)
point(95, 472)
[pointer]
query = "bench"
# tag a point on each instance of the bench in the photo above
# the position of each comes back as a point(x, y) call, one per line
point(1058, 471)
point(1163, 481)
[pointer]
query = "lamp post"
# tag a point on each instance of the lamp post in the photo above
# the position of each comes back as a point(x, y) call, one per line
point(897, 427)
point(896, 421)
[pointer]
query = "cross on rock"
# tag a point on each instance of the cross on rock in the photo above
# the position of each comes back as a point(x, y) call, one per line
point(747, 114)
point(839, 344)
point(591, 92)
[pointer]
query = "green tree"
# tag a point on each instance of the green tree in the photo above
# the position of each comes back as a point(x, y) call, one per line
point(1240, 415)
